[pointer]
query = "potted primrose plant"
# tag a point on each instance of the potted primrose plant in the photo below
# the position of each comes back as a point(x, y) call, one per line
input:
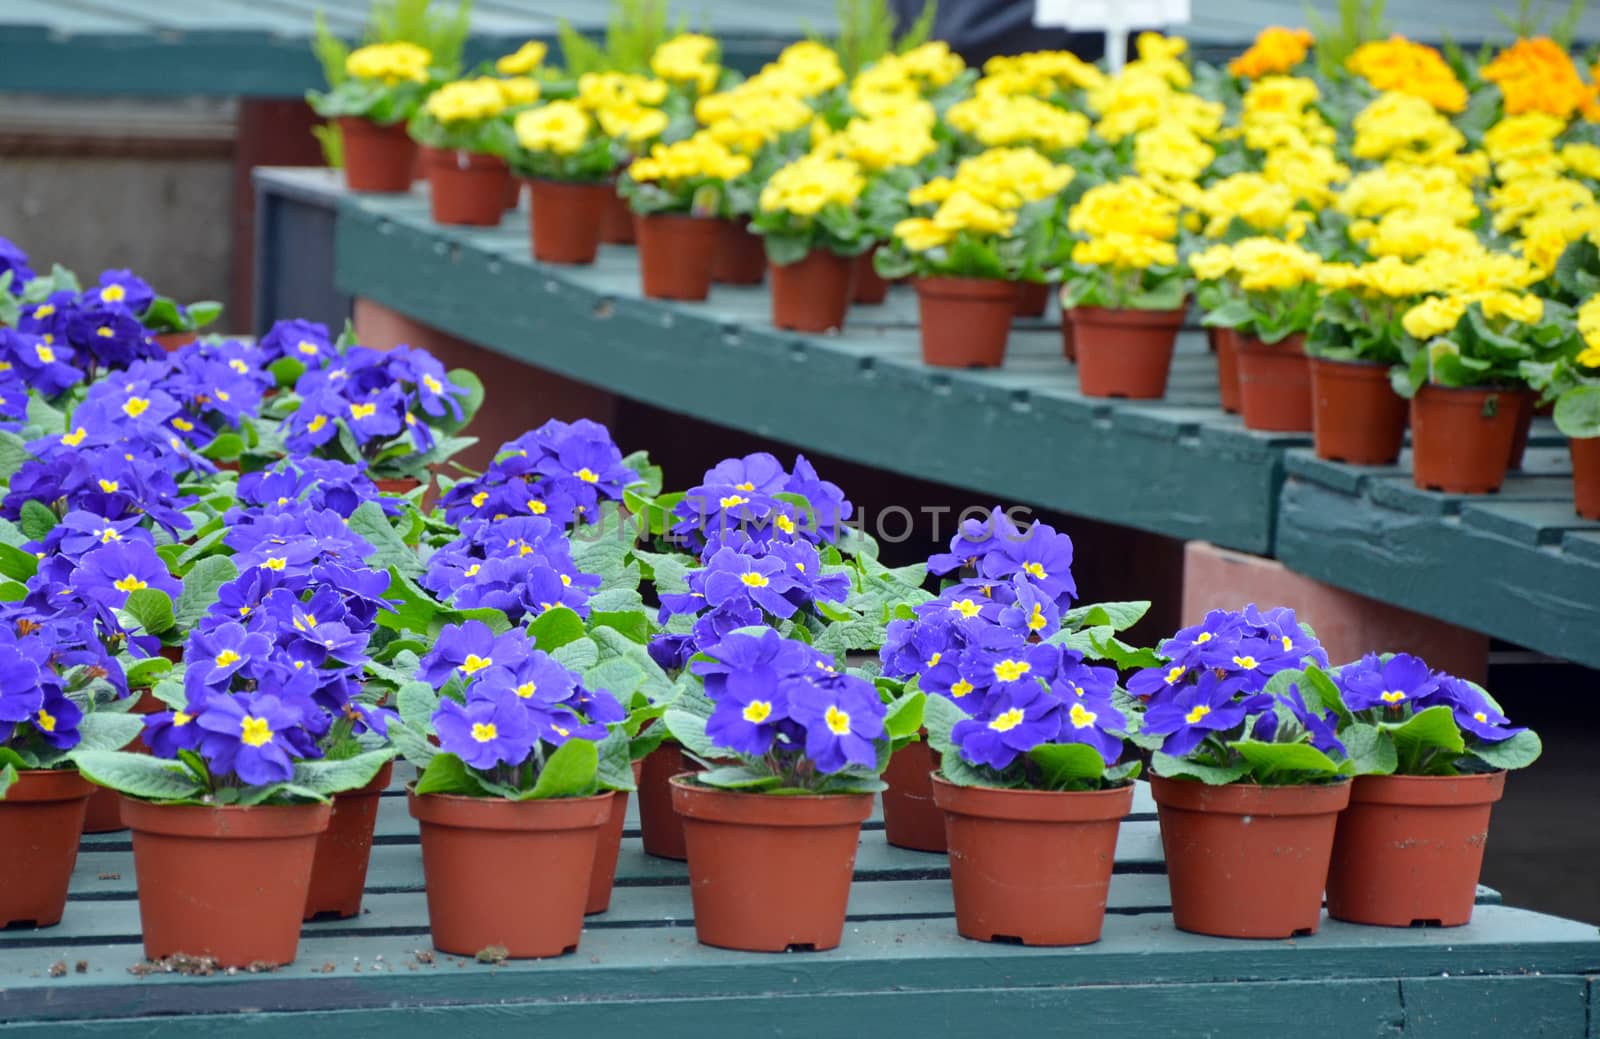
point(524, 771)
point(810, 218)
point(1409, 848)
point(1573, 380)
point(676, 193)
point(792, 750)
point(48, 714)
point(560, 151)
point(463, 133)
point(382, 87)
point(1465, 368)
point(1269, 290)
point(1247, 773)
point(1123, 290)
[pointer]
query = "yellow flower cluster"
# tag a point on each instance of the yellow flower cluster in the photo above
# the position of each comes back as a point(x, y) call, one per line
point(1398, 64)
point(994, 120)
point(1258, 202)
point(523, 60)
point(803, 70)
point(1039, 74)
point(1402, 126)
point(959, 211)
point(812, 182)
point(1589, 329)
point(880, 144)
point(560, 128)
point(1127, 224)
point(699, 156)
point(1276, 49)
point(1006, 178)
point(1171, 152)
point(1263, 264)
point(689, 59)
point(751, 116)
point(469, 100)
point(1538, 75)
point(518, 90)
point(624, 104)
point(389, 63)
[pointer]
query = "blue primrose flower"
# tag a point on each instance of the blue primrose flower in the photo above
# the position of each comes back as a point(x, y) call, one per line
point(1473, 710)
point(15, 262)
point(1401, 681)
point(114, 571)
point(842, 716)
point(248, 735)
point(1193, 712)
point(305, 341)
point(1020, 718)
point(20, 692)
point(464, 650)
point(493, 728)
point(122, 288)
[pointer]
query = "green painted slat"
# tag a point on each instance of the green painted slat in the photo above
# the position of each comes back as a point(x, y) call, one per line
point(1529, 522)
point(1020, 433)
point(1528, 1008)
point(53, 16)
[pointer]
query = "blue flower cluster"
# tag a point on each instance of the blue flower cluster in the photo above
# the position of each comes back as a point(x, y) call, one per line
point(520, 566)
point(47, 656)
point(559, 472)
point(1396, 688)
point(69, 337)
point(738, 503)
point(509, 698)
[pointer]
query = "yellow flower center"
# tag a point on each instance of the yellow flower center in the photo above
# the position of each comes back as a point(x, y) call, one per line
point(434, 385)
point(1288, 643)
point(255, 731)
point(128, 584)
point(1480, 716)
point(46, 355)
point(933, 661)
point(784, 523)
point(483, 732)
point(537, 507)
point(754, 580)
point(113, 293)
point(479, 498)
point(104, 332)
point(74, 438)
point(1007, 721)
point(44, 310)
point(1196, 713)
point(363, 410)
point(307, 348)
point(1246, 662)
point(276, 563)
point(474, 663)
point(1176, 673)
point(746, 486)
point(587, 475)
point(46, 720)
point(838, 721)
point(182, 424)
point(1393, 696)
point(109, 486)
point(1081, 717)
point(1036, 619)
point(527, 689)
point(959, 688)
point(757, 711)
point(1011, 670)
point(731, 500)
point(472, 571)
point(1202, 638)
point(1035, 570)
point(966, 607)
point(108, 535)
point(181, 718)
point(227, 657)
point(316, 423)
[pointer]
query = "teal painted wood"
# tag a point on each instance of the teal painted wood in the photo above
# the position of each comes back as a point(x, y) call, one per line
point(1528, 1008)
point(1022, 433)
point(1520, 565)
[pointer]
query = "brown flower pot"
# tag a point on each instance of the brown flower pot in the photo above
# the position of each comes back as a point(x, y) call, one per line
point(1274, 384)
point(1225, 342)
point(813, 294)
point(1409, 849)
point(1032, 298)
point(225, 882)
point(1519, 439)
point(172, 342)
point(660, 829)
point(1124, 353)
point(513, 191)
point(401, 486)
point(565, 219)
point(872, 288)
point(1461, 439)
point(1247, 861)
point(477, 900)
point(616, 220)
point(1069, 339)
point(377, 158)
point(607, 849)
point(1356, 416)
point(767, 873)
point(104, 813)
point(675, 255)
point(41, 819)
point(910, 817)
point(1586, 476)
point(1031, 865)
point(741, 256)
point(344, 849)
point(465, 188)
point(964, 321)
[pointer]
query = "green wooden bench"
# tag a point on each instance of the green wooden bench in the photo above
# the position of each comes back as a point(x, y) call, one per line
point(901, 968)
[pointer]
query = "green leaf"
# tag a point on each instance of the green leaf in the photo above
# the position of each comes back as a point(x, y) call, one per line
point(448, 774)
point(200, 586)
point(8, 776)
point(578, 655)
point(1519, 751)
point(939, 716)
point(332, 777)
point(107, 730)
point(956, 769)
point(1068, 765)
point(1268, 760)
point(412, 745)
point(904, 717)
point(570, 772)
point(17, 564)
point(1170, 767)
point(555, 627)
point(690, 731)
point(138, 775)
point(1433, 728)
point(151, 608)
point(13, 453)
point(1371, 751)
point(1577, 412)
point(738, 777)
point(389, 550)
point(633, 623)
point(415, 702)
point(37, 520)
point(615, 769)
point(1118, 616)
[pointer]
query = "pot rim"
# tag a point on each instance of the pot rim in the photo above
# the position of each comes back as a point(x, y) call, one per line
point(1191, 795)
point(601, 185)
point(1459, 392)
point(1289, 344)
point(1347, 362)
point(673, 218)
point(479, 159)
point(224, 822)
point(1478, 788)
point(1110, 804)
point(811, 254)
point(708, 804)
point(48, 786)
point(951, 286)
point(369, 122)
point(1123, 316)
point(460, 812)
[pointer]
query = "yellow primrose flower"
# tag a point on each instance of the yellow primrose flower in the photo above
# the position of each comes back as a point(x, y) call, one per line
point(932, 64)
point(518, 90)
point(919, 234)
point(688, 58)
point(811, 183)
point(698, 156)
point(390, 63)
point(1520, 135)
point(597, 90)
point(560, 127)
point(1399, 64)
point(1433, 317)
point(963, 211)
point(1392, 277)
point(1513, 306)
point(1171, 151)
point(524, 60)
point(632, 124)
point(1125, 252)
point(1212, 263)
point(1268, 264)
point(467, 100)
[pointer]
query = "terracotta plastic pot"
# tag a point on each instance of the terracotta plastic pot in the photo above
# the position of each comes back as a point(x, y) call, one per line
point(1069, 339)
point(675, 255)
point(660, 829)
point(1124, 353)
point(465, 188)
point(965, 321)
point(1519, 439)
point(607, 849)
point(1586, 476)
point(813, 294)
point(1409, 849)
point(910, 817)
point(344, 850)
point(41, 819)
point(1356, 416)
point(377, 158)
point(769, 874)
point(402, 486)
point(1247, 861)
point(616, 220)
point(513, 191)
point(1274, 384)
point(174, 341)
point(1031, 865)
point(1461, 438)
point(1032, 298)
point(477, 899)
point(225, 882)
point(565, 219)
point(1225, 343)
point(741, 256)
point(872, 288)
point(104, 812)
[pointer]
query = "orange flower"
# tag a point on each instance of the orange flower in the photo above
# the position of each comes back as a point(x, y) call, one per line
point(1411, 68)
point(1537, 75)
point(1276, 50)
